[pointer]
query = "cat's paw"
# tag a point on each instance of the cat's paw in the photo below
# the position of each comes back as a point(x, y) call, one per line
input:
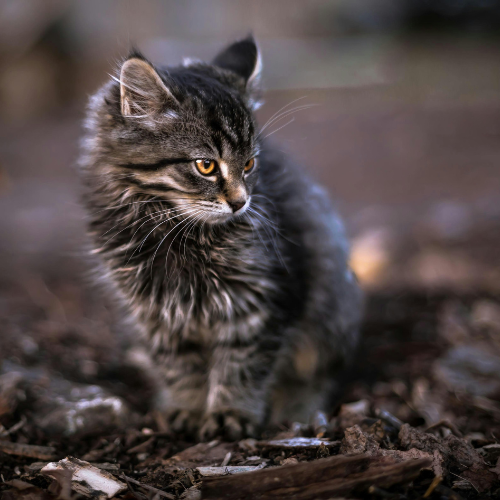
point(184, 421)
point(230, 424)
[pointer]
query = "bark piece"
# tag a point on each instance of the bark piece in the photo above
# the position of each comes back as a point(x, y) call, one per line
point(490, 452)
point(147, 487)
point(356, 441)
point(455, 452)
point(28, 450)
point(299, 443)
point(314, 480)
point(227, 470)
point(200, 455)
point(86, 479)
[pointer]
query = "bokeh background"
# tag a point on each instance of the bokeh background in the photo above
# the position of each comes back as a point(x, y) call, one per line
point(405, 134)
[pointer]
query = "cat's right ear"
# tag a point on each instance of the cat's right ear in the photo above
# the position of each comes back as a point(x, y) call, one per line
point(243, 58)
point(142, 91)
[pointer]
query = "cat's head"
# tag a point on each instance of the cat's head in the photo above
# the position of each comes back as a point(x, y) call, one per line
point(184, 134)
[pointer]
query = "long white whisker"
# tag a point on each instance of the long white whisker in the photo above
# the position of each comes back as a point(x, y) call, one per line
point(157, 226)
point(190, 229)
point(175, 236)
point(284, 115)
point(151, 216)
point(279, 128)
point(282, 109)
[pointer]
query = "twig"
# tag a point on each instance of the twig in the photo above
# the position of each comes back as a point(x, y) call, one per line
point(325, 478)
point(147, 487)
point(448, 425)
point(227, 459)
point(28, 450)
point(142, 447)
point(432, 486)
point(389, 418)
point(465, 479)
point(130, 488)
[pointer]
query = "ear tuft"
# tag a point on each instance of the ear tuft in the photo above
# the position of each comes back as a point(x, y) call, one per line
point(142, 91)
point(242, 58)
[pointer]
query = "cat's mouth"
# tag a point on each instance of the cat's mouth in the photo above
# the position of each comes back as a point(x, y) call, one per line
point(225, 212)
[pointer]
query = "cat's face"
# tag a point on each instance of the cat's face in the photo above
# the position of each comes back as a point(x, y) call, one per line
point(186, 135)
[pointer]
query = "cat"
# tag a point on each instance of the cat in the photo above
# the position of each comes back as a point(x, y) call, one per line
point(231, 262)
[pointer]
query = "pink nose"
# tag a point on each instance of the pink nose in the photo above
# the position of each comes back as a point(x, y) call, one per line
point(236, 205)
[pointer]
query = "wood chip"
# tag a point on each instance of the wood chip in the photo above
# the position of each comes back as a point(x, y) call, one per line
point(299, 442)
point(28, 450)
point(227, 459)
point(319, 479)
point(87, 480)
point(227, 470)
point(140, 448)
point(156, 491)
point(319, 423)
point(108, 466)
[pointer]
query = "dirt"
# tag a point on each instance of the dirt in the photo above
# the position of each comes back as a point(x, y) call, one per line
point(426, 385)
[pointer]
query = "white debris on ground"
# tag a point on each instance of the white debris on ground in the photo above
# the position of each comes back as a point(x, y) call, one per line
point(86, 480)
point(300, 442)
point(228, 469)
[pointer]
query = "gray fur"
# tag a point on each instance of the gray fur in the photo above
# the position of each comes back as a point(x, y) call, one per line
point(249, 315)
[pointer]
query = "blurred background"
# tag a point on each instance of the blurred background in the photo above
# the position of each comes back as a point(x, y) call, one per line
point(405, 132)
point(405, 135)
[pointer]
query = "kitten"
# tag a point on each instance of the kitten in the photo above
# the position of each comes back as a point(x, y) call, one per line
point(230, 260)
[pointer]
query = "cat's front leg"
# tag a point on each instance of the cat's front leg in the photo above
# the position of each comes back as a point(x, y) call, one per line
point(184, 395)
point(239, 388)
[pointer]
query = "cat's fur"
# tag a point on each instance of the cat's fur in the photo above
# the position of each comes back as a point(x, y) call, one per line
point(249, 315)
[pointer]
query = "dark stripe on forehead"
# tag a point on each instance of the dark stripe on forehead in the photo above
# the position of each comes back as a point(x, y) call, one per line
point(229, 138)
point(165, 162)
point(216, 138)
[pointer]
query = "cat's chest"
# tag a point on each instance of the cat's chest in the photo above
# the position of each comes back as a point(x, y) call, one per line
point(220, 299)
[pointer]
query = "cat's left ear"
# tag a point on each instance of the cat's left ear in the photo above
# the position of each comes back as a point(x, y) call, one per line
point(244, 59)
point(142, 92)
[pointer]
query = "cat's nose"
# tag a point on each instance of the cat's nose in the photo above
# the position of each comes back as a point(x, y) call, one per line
point(236, 205)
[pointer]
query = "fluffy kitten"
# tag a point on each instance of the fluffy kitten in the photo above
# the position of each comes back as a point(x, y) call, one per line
point(232, 263)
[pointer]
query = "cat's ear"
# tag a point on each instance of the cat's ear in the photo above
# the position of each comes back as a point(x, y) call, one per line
point(142, 91)
point(244, 59)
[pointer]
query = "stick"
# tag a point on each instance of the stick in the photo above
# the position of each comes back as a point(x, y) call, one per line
point(147, 487)
point(28, 450)
point(314, 480)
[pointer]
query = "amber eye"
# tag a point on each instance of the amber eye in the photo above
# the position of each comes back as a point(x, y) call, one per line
point(249, 165)
point(206, 167)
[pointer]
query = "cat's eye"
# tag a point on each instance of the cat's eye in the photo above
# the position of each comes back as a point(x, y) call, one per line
point(206, 167)
point(249, 165)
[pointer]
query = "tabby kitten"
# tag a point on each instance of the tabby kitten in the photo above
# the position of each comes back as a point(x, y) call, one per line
point(231, 262)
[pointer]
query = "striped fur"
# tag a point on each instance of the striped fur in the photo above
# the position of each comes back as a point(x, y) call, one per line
point(249, 314)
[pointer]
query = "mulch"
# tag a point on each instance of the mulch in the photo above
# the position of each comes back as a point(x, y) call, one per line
point(420, 416)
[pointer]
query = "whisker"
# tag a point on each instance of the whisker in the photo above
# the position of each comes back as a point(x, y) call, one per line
point(191, 228)
point(255, 230)
point(279, 128)
point(267, 222)
point(281, 109)
point(175, 236)
point(156, 227)
point(151, 217)
point(284, 115)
